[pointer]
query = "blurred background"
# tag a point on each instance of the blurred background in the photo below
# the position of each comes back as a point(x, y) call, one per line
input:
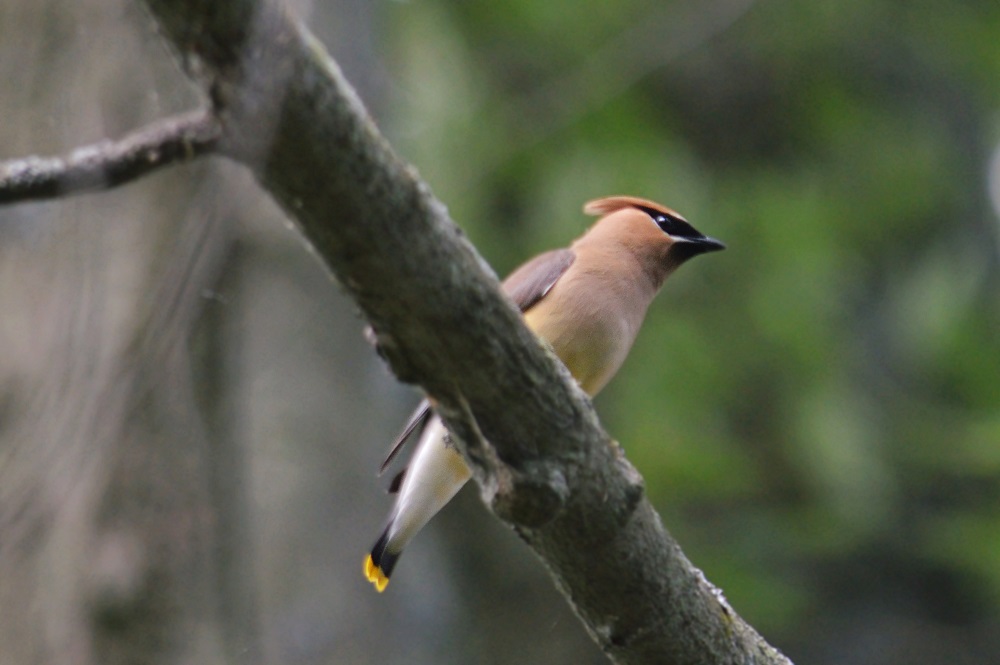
point(190, 420)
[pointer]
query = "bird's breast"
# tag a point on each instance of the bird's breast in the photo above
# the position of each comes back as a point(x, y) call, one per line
point(590, 324)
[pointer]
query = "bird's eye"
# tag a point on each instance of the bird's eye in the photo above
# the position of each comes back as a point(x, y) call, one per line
point(673, 225)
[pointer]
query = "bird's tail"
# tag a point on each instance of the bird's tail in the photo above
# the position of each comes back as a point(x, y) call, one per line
point(380, 562)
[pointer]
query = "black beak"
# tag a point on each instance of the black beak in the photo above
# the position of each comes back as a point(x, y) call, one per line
point(708, 244)
point(688, 247)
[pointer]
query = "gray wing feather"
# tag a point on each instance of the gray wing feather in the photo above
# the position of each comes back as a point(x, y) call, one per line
point(533, 280)
point(415, 425)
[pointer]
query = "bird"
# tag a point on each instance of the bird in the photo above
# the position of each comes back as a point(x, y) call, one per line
point(587, 302)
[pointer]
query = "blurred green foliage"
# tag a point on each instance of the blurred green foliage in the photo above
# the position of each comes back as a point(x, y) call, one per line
point(816, 410)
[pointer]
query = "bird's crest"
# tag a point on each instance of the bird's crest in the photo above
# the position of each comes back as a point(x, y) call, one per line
point(610, 204)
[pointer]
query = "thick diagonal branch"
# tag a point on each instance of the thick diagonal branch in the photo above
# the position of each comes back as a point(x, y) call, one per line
point(548, 468)
point(287, 113)
point(109, 163)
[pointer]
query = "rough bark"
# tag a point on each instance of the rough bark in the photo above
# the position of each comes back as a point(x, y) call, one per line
point(539, 454)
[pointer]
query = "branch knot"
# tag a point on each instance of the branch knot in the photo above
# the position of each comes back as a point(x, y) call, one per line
point(530, 497)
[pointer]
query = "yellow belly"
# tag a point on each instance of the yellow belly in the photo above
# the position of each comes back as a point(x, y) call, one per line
point(591, 348)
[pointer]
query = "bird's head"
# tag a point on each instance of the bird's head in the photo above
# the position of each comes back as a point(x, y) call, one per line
point(649, 229)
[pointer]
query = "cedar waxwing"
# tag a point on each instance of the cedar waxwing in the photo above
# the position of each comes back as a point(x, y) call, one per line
point(587, 302)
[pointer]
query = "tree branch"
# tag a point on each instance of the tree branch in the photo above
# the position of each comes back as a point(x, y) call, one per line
point(541, 459)
point(107, 164)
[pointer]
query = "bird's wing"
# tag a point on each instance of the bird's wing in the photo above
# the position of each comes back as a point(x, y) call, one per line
point(525, 286)
point(533, 280)
point(415, 425)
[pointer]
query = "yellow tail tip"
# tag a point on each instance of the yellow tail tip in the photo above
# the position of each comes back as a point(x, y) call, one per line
point(375, 574)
